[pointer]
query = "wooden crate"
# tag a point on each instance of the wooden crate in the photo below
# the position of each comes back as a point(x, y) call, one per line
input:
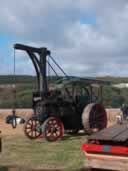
point(98, 161)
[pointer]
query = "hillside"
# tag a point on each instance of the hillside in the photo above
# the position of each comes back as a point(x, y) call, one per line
point(9, 79)
point(25, 85)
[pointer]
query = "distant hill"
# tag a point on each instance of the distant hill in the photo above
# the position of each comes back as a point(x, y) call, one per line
point(10, 79)
point(112, 96)
point(114, 79)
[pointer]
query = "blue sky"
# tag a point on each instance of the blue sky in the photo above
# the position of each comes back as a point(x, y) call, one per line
point(88, 38)
point(6, 52)
point(88, 19)
point(6, 41)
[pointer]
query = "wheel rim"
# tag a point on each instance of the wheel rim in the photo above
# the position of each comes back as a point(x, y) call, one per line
point(53, 129)
point(32, 129)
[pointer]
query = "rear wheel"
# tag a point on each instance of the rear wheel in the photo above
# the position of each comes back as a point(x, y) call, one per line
point(94, 118)
point(53, 129)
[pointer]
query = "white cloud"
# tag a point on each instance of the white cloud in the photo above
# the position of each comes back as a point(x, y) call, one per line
point(81, 49)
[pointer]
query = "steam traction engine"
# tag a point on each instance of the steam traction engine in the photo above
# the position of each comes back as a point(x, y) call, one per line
point(71, 105)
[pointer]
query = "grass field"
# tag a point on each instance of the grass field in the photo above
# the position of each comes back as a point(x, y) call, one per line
point(63, 155)
point(17, 150)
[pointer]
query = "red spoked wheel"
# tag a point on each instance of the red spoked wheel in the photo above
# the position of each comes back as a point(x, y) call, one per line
point(32, 128)
point(53, 129)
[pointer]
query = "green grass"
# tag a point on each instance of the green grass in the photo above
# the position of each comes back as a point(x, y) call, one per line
point(63, 155)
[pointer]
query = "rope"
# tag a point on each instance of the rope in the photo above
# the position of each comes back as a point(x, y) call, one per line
point(14, 82)
point(14, 93)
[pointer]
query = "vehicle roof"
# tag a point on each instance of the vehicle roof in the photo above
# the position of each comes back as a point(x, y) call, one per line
point(83, 81)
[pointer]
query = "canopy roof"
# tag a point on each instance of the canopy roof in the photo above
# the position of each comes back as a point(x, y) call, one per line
point(83, 81)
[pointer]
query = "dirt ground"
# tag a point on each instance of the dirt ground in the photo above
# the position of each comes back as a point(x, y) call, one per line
point(6, 129)
point(26, 113)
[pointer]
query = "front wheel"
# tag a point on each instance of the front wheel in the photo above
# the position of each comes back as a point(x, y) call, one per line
point(32, 128)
